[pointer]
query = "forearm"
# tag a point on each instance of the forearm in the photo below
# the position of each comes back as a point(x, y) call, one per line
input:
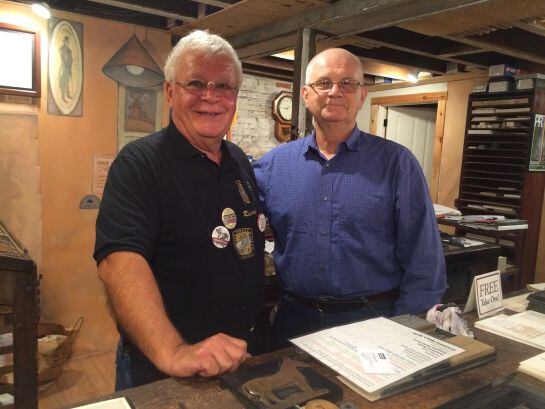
point(138, 306)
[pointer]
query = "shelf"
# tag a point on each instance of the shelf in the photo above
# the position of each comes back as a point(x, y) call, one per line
point(496, 164)
point(494, 173)
point(492, 179)
point(487, 154)
point(490, 203)
point(480, 194)
point(498, 188)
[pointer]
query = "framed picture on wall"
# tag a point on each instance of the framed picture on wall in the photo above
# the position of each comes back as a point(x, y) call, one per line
point(20, 56)
point(139, 113)
point(65, 68)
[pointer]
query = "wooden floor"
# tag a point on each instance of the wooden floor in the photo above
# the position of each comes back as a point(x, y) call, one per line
point(82, 378)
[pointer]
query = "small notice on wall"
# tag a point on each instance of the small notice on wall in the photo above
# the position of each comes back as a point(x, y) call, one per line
point(537, 154)
point(485, 294)
point(101, 166)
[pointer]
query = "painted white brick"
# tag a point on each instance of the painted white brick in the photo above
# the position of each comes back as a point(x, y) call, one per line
point(253, 130)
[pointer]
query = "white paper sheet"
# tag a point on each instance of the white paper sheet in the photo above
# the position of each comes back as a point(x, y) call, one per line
point(119, 403)
point(518, 303)
point(408, 350)
point(527, 327)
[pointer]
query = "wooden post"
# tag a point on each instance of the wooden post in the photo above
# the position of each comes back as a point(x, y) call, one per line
point(305, 49)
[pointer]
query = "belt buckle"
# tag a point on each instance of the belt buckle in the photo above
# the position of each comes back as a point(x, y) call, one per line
point(321, 302)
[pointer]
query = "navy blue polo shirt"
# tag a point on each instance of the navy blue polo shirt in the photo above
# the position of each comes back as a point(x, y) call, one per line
point(164, 199)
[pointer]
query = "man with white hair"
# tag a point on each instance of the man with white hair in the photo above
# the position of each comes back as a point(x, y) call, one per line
point(354, 227)
point(179, 237)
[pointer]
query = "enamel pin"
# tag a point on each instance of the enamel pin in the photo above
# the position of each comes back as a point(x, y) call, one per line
point(229, 218)
point(220, 237)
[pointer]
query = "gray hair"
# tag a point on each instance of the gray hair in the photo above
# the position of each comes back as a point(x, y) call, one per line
point(313, 61)
point(201, 42)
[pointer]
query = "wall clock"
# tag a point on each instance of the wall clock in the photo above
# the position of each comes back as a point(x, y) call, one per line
point(282, 113)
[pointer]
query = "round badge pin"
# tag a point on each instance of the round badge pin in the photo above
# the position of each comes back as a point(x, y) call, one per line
point(229, 218)
point(220, 237)
point(261, 222)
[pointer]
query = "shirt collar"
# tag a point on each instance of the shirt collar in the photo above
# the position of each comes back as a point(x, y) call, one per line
point(179, 143)
point(183, 149)
point(351, 143)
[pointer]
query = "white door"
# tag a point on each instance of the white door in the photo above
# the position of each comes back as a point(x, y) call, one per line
point(414, 127)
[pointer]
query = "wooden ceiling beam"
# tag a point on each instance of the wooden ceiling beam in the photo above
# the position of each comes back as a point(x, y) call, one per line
point(143, 9)
point(400, 58)
point(515, 39)
point(345, 17)
point(411, 50)
point(273, 62)
point(487, 45)
point(459, 49)
point(215, 3)
point(530, 27)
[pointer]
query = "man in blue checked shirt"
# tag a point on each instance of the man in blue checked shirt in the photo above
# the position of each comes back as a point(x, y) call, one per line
point(355, 232)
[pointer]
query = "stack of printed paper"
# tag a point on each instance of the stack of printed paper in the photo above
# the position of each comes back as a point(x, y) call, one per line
point(534, 366)
point(378, 357)
point(527, 327)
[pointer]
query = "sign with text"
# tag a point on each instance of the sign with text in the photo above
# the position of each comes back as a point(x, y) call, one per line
point(485, 294)
point(101, 166)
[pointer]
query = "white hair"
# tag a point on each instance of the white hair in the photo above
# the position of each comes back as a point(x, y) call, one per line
point(314, 60)
point(201, 42)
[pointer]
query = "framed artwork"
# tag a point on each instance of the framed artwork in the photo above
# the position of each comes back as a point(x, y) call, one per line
point(139, 113)
point(65, 73)
point(20, 67)
point(140, 107)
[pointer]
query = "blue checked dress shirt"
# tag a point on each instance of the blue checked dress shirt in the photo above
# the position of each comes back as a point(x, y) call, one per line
point(359, 224)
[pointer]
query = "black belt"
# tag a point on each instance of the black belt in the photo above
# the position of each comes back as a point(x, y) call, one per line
point(330, 304)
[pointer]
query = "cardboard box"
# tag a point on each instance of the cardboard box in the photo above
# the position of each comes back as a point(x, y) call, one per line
point(529, 81)
point(500, 86)
point(500, 70)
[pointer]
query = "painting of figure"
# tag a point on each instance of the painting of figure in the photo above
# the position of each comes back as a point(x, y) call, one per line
point(65, 68)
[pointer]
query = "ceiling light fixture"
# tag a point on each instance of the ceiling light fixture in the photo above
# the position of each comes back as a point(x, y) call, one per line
point(412, 77)
point(42, 9)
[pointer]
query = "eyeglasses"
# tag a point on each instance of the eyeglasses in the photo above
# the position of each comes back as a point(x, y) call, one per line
point(325, 85)
point(197, 87)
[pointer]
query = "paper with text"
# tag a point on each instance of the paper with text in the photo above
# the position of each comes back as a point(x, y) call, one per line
point(408, 350)
point(485, 294)
point(527, 327)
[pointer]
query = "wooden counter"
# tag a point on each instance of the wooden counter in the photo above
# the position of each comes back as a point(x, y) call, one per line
point(199, 393)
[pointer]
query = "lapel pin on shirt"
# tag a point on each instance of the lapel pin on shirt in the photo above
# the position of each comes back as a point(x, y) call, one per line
point(242, 192)
point(243, 240)
point(220, 237)
point(229, 218)
point(261, 222)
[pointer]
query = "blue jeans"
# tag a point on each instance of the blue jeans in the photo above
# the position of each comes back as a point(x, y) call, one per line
point(133, 368)
point(123, 378)
point(294, 319)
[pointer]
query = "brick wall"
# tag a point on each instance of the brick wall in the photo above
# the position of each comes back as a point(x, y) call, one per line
point(253, 130)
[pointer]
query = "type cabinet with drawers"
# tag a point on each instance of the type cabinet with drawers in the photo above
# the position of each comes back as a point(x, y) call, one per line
point(495, 178)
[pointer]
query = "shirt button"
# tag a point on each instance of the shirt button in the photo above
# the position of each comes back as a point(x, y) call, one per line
point(325, 198)
point(327, 165)
point(324, 233)
point(243, 308)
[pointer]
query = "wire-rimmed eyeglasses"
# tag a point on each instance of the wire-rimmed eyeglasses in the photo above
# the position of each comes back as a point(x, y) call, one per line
point(325, 85)
point(197, 87)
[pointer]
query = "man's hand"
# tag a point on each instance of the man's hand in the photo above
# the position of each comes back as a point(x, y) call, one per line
point(213, 356)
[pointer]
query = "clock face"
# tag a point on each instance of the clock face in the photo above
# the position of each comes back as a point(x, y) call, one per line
point(284, 108)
